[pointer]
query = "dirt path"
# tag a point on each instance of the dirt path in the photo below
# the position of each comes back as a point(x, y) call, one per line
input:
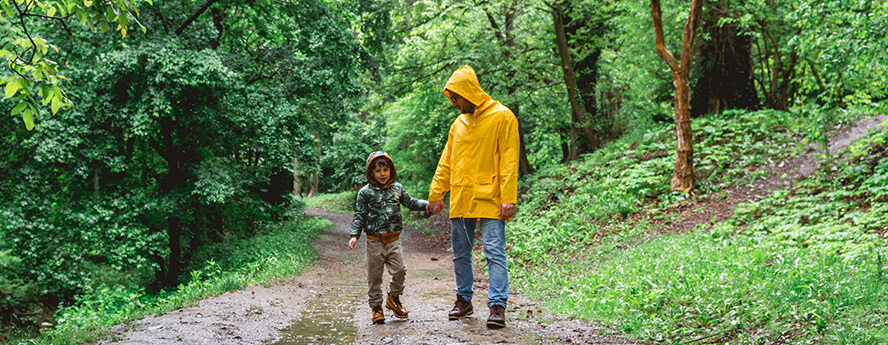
point(327, 304)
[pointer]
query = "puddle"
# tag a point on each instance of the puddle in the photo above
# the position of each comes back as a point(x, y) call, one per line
point(328, 319)
point(427, 273)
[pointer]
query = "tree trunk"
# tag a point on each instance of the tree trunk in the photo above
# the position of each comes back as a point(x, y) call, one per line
point(588, 30)
point(725, 63)
point(315, 177)
point(297, 187)
point(506, 41)
point(578, 114)
point(175, 241)
point(683, 175)
point(524, 167)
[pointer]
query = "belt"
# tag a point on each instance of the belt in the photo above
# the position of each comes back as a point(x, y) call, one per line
point(385, 237)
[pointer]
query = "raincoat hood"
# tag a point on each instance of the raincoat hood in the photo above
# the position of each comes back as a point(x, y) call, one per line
point(371, 161)
point(465, 83)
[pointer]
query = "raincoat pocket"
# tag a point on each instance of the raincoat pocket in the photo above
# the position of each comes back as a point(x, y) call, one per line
point(486, 189)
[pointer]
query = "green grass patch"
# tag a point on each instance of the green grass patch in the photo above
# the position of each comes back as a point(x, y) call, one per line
point(804, 265)
point(343, 202)
point(737, 289)
point(278, 251)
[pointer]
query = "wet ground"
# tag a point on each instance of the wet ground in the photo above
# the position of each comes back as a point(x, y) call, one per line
point(327, 304)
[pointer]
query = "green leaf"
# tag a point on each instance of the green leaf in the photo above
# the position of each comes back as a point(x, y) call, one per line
point(5, 52)
point(81, 16)
point(11, 88)
point(56, 91)
point(55, 105)
point(29, 119)
point(18, 108)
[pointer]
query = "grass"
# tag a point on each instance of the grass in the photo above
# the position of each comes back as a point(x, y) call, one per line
point(343, 202)
point(280, 250)
point(804, 265)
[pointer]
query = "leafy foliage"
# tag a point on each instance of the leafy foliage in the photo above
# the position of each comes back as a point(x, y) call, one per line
point(796, 266)
point(31, 79)
point(281, 249)
point(182, 139)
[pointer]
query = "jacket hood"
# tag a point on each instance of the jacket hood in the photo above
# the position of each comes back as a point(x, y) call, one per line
point(392, 174)
point(465, 83)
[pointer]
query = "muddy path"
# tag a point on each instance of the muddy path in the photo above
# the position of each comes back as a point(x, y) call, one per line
point(327, 304)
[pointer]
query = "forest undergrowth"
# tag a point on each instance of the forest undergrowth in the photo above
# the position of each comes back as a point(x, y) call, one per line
point(795, 265)
point(280, 249)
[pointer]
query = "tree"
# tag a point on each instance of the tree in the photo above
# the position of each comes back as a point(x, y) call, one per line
point(683, 176)
point(724, 64)
point(181, 140)
point(32, 80)
point(580, 119)
point(508, 43)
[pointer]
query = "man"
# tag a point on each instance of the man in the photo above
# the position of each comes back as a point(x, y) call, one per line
point(479, 167)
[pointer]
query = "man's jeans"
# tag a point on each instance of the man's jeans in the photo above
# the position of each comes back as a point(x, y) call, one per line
point(493, 236)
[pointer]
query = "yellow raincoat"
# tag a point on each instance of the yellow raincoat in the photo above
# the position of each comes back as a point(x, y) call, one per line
point(479, 165)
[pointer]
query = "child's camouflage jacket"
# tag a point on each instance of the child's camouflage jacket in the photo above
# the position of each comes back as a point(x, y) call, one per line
point(378, 210)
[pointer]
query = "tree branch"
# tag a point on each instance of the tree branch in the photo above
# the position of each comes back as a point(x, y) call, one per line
point(25, 28)
point(690, 31)
point(195, 16)
point(657, 16)
point(60, 19)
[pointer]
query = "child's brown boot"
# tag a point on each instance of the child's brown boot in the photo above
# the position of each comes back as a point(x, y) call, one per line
point(393, 303)
point(378, 317)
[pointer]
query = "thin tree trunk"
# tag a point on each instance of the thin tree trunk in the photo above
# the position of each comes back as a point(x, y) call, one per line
point(507, 43)
point(524, 167)
point(297, 187)
point(578, 114)
point(315, 177)
point(683, 175)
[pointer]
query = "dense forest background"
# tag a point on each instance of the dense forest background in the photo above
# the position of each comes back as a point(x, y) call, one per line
point(143, 135)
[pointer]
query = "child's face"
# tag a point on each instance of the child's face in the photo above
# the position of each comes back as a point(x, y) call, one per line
point(381, 173)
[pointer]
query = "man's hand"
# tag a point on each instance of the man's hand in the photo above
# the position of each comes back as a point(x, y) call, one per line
point(435, 207)
point(507, 211)
point(351, 242)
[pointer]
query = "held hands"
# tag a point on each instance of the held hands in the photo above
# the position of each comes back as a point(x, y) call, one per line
point(435, 207)
point(351, 242)
point(506, 211)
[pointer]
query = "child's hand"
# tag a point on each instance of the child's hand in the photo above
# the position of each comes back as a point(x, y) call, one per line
point(435, 206)
point(351, 242)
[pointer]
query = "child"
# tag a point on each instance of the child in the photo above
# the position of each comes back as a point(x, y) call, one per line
point(378, 214)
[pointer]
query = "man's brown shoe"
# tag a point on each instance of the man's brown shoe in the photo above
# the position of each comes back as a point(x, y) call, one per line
point(461, 308)
point(378, 317)
point(497, 317)
point(393, 303)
